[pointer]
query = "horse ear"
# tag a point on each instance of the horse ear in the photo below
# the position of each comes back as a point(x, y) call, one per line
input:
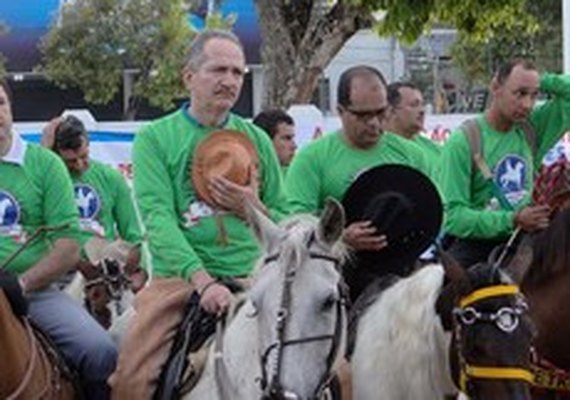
point(453, 270)
point(331, 223)
point(521, 261)
point(266, 231)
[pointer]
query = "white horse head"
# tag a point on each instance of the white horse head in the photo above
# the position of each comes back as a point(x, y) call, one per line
point(283, 342)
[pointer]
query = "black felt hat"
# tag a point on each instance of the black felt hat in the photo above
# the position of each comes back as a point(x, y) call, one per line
point(403, 204)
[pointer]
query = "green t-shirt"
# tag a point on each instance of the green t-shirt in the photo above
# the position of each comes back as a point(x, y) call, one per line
point(432, 152)
point(327, 167)
point(35, 191)
point(182, 231)
point(105, 205)
point(472, 209)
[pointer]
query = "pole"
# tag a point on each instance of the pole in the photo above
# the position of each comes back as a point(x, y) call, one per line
point(566, 38)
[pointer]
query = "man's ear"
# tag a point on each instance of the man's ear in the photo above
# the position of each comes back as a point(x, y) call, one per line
point(187, 75)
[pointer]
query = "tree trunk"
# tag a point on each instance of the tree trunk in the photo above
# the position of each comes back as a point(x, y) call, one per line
point(300, 38)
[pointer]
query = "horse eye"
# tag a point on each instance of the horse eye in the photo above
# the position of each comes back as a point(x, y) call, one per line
point(329, 302)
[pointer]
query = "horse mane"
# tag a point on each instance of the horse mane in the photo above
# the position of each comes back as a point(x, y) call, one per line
point(300, 229)
point(403, 327)
point(551, 249)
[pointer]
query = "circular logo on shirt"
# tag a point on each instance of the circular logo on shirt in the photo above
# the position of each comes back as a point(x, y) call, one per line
point(87, 200)
point(9, 211)
point(510, 177)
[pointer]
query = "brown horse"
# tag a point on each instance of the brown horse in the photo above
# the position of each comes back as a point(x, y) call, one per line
point(542, 266)
point(28, 371)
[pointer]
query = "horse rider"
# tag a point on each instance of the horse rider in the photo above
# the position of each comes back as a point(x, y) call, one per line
point(489, 164)
point(195, 218)
point(40, 221)
point(328, 166)
point(104, 200)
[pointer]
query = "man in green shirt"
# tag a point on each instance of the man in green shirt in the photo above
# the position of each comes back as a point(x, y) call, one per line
point(36, 192)
point(328, 166)
point(406, 116)
point(481, 213)
point(280, 127)
point(104, 200)
point(106, 210)
point(183, 230)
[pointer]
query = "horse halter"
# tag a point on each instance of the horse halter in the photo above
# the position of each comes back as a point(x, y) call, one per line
point(272, 388)
point(112, 276)
point(506, 319)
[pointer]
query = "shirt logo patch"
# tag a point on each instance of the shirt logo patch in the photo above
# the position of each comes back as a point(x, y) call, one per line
point(10, 214)
point(9, 211)
point(196, 211)
point(510, 177)
point(87, 201)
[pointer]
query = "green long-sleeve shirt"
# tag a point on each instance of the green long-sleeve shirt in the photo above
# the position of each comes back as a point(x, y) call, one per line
point(105, 205)
point(35, 191)
point(182, 231)
point(472, 210)
point(328, 166)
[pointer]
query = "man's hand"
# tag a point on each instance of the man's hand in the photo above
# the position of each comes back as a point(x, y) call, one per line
point(48, 133)
point(232, 197)
point(215, 298)
point(533, 218)
point(362, 235)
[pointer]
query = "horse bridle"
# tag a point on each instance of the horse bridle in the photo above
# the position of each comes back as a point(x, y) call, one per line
point(467, 315)
point(271, 386)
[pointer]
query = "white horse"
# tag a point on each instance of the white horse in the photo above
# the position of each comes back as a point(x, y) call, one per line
point(420, 333)
point(401, 350)
point(283, 342)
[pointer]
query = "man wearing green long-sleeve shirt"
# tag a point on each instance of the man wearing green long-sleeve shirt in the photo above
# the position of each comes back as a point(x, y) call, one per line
point(184, 228)
point(482, 213)
point(328, 166)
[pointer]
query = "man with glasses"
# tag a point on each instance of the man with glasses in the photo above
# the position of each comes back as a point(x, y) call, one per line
point(406, 117)
point(328, 166)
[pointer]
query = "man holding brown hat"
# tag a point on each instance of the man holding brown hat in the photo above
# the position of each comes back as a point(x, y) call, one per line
point(193, 171)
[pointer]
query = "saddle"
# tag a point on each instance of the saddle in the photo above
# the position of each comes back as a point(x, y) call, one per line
point(190, 347)
point(361, 305)
point(57, 360)
point(11, 287)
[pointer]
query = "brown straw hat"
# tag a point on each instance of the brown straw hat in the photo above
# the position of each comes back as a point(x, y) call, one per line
point(226, 153)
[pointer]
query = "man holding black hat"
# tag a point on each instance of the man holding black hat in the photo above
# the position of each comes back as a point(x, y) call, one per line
point(328, 166)
point(193, 171)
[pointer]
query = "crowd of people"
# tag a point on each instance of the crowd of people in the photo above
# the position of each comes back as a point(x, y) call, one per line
point(196, 168)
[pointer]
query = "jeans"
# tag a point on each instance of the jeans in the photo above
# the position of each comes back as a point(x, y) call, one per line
point(82, 341)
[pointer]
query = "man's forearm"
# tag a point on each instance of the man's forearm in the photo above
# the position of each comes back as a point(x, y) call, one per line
point(63, 256)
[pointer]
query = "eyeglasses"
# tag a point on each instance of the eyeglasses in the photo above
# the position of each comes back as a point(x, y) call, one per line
point(367, 115)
